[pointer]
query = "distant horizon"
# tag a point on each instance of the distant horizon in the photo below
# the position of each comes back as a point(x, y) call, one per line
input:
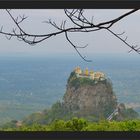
point(71, 54)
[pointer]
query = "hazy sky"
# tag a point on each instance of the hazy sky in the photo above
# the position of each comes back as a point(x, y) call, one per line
point(99, 42)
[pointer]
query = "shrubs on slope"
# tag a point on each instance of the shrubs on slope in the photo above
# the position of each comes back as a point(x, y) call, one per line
point(80, 124)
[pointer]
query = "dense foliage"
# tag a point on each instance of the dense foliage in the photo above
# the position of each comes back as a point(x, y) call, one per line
point(47, 116)
point(80, 124)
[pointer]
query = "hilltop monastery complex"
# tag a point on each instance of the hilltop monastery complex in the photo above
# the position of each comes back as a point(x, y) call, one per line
point(99, 76)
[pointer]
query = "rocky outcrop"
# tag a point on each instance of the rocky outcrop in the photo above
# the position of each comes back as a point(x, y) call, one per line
point(125, 113)
point(87, 97)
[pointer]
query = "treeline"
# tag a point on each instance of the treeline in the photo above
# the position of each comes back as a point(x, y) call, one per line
point(80, 124)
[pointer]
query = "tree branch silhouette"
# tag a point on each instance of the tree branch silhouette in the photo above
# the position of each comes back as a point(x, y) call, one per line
point(80, 23)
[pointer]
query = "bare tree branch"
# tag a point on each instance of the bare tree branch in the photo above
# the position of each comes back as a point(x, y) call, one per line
point(124, 41)
point(80, 24)
point(75, 47)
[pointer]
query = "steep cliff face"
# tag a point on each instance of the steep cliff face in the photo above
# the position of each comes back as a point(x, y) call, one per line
point(86, 97)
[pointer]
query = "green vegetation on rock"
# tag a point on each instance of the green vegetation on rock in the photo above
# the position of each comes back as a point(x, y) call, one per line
point(75, 81)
